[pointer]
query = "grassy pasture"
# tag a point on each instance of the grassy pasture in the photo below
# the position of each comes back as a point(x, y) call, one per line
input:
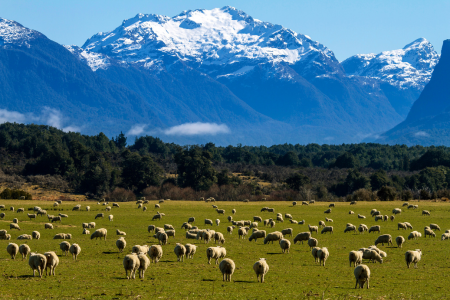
point(99, 273)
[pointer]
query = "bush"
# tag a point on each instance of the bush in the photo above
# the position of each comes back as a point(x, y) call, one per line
point(387, 193)
point(15, 194)
point(121, 195)
point(361, 195)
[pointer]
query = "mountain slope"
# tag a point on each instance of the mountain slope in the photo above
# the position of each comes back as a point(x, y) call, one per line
point(428, 122)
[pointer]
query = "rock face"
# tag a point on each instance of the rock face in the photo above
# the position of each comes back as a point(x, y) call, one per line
point(428, 122)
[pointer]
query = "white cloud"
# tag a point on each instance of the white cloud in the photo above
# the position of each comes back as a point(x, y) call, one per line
point(421, 134)
point(198, 128)
point(11, 116)
point(71, 129)
point(52, 117)
point(137, 129)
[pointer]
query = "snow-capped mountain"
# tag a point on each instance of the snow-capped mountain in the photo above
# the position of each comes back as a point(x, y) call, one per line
point(409, 67)
point(13, 33)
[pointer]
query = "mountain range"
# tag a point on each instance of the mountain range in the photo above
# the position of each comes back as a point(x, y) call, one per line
point(209, 75)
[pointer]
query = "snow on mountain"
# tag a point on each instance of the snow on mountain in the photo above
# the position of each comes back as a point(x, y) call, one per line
point(208, 37)
point(94, 60)
point(410, 67)
point(12, 32)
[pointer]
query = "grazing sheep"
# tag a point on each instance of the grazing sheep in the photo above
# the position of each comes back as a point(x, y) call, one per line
point(287, 231)
point(435, 227)
point(392, 218)
point(372, 255)
point(405, 204)
point(163, 238)
point(88, 208)
point(233, 211)
point(361, 216)
point(429, 232)
point(24, 249)
point(168, 226)
point(63, 215)
point(285, 245)
point(414, 235)
point(110, 217)
point(425, 213)
point(270, 209)
point(378, 218)
point(351, 212)
point(273, 236)
point(64, 246)
point(85, 231)
point(92, 225)
point(399, 240)
point(312, 242)
point(382, 239)
point(280, 219)
point(190, 250)
point(217, 222)
point(302, 236)
point(322, 224)
point(445, 236)
point(216, 253)
point(131, 263)
point(157, 216)
point(62, 236)
point(353, 203)
point(218, 237)
point(12, 249)
point(257, 219)
point(20, 210)
point(362, 275)
point(118, 232)
point(139, 249)
point(101, 215)
point(362, 228)
point(75, 250)
point(121, 243)
point(157, 206)
point(144, 262)
point(272, 224)
point(191, 220)
point(331, 205)
point(288, 216)
point(76, 208)
point(207, 236)
point(180, 252)
point(401, 226)
point(259, 234)
point(151, 228)
point(412, 256)
point(242, 232)
point(313, 228)
point(36, 235)
point(52, 262)
point(305, 203)
point(355, 257)
point(314, 253)
point(220, 211)
point(385, 217)
point(37, 262)
point(227, 268)
point(327, 229)
point(56, 219)
point(328, 220)
point(328, 211)
point(350, 228)
point(396, 211)
point(25, 237)
point(208, 222)
point(323, 254)
point(14, 226)
point(100, 233)
point(230, 218)
point(376, 228)
point(31, 216)
point(108, 208)
point(264, 209)
point(293, 221)
point(155, 253)
point(230, 229)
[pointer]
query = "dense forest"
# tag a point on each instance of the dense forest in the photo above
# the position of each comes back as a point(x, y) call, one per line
point(102, 167)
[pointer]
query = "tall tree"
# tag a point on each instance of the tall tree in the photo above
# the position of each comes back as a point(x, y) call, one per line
point(195, 169)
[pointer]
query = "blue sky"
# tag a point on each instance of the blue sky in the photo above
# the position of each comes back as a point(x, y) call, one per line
point(346, 27)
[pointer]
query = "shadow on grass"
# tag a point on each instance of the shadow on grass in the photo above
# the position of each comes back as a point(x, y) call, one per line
point(271, 253)
point(208, 279)
point(121, 278)
point(110, 252)
point(244, 281)
point(27, 276)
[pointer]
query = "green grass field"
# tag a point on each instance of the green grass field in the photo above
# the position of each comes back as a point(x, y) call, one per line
point(99, 273)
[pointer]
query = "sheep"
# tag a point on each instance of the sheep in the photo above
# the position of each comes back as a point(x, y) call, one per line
point(350, 228)
point(75, 250)
point(37, 262)
point(190, 250)
point(139, 206)
point(273, 236)
point(385, 217)
point(227, 268)
point(305, 203)
point(25, 237)
point(14, 226)
point(288, 216)
point(435, 227)
point(121, 243)
point(285, 245)
point(328, 211)
point(31, 216)
point(168, 226)
point(230, 229)
point(361, 216)
point(270, 209)
point(353, 203)
point(401, 226)
point(233, 211)
point(287, 231)
point(412, 256)
point(144, 262)
point(207, 236)
point(331, 205)
point(88, 208)
point(261, 268)
point(100, 233)
point(119, 232)
point(272, 224)
point(217, 222)
point(139, 249)
point(230, 218)
point(115, 205)
point(355, 257)
point(328, 220)
point(313, 228)
point(191, 220)
point(362, 228)
point(155, 253)
point(312, 242)
point(327, 229)
point(372, 255)
point(163, 238)
point(62, 236)
point(376, 228)
point(100, 215)
point(392, 218)
point(314, 253)
point(385, 238)
point(293, 221)
point(264, 209)
point(180, 252)
point(20, 210)
point(302, 236)
point(85, 225)
point(131, 263)
point(218, 237)
point(378, 218)
point(157, 206)
point(382, 253)
point(76, 208)
point(280, 219)
point(429, 232)
point(374, 212)
point(425, 213)
point(257, 219)
point(405, 204)
point(108, 208)
point(362, 275)
point(3, 232)
point(92, 225)
point(351, 212)
point(24, 249)
point(323, 254)
point(214, 206)
point(445, 236)
point(216, 253)
point(399, 240)
point(64, 246)
point(259, 234)
point(56, 219)
point(63, 215)
point(220, 211)
point(396, 211)
point(36, 235)
point(242, 232)
point(5, 237)
point(52, 262)
point(110, 217)
point(208, 222)
point(414, 235)
point(12, 249)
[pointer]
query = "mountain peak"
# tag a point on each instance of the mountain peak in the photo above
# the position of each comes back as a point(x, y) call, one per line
point(12, 32)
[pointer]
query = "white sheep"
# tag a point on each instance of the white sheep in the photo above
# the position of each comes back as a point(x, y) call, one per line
point(401, 226)
point(314, 253)
point(327, 229)
point(242, 232)
point(372, 255)
point(37, 262)
point(180, 251)
point(273, 236)
point(100, 233)
point(425, 213)
point(321, 223)
point(110, 217)
point(362, 275)
point(287, 231)
point(131, 263)
point(216, 253)
point(382, 239)
point(144, 262)
point(52, 262)
point(414, 235)
point(36, 235)
point(217, 222)
point(362, 228)
point(218, 237)
point(233, 211)
point(119, 232)
point(64, 246)
point(155, 253)
point(190, 235)
point(302, 236)
point(259, 234)
point(261, 268)
point(445, 236)
point(92, 225)
point(312, 242)
point(227, 268)
point(285, 245)
point(355, 257)
point(24, 249)
point(350, 228)
point(220, 211)
point(208, 222)
point(75, 250)
point(101, 215)
point(408, 225)
point(121, 243)
point(399, 240)
point(25, 237)
point(190, 250)
point(361, 216)
point(396, 211)
point(429, 232)
point(412, 256)
point(435, 227)
point(313, 228)
point(191, 220)
point(14, 226)
point(375, 228)
point(323, 254)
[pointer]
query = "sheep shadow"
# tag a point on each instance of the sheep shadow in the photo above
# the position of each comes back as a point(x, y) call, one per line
point(276, 253)
point(26, 276)
point(208, 279)
point(244, 281)
point(110, 252)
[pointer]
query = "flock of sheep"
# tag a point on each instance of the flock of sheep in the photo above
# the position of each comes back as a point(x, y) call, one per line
point(140, 257)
